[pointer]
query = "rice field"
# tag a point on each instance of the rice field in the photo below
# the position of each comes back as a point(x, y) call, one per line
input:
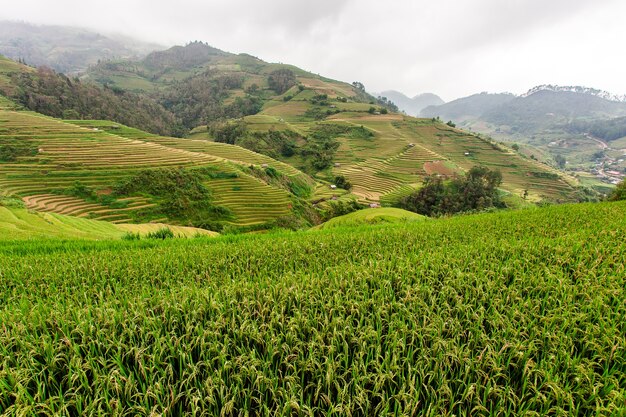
point(500, 314)
point(99, 154)
point(22, 224)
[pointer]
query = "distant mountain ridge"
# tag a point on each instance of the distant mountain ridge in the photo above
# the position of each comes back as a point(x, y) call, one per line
point(576, 89)
point(412, 106)
point(578, 127)
point(65, 49)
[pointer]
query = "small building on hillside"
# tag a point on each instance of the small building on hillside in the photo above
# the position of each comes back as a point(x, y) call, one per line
point(333, 187)
point(374, 205)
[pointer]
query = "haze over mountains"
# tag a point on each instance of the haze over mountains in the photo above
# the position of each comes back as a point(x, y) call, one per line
point(578, 127)
point(66, 49)
point(412, 106)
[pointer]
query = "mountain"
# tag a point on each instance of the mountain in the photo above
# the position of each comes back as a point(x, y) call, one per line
point(572, 127)
point(468, 107)
point(65, 49)
point(200, 84)
point(412, 106)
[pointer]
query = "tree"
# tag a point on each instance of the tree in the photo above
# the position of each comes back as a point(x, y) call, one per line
point(560, 161)
point(228, 132)
point(343, 182)
point(619, 193)
point(477, 190)
point(359, 86)
point(281, 80)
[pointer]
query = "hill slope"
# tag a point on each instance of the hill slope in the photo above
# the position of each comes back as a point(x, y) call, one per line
point(19, 223)
point(45, 91)
point(82, 170)
point(573, 127)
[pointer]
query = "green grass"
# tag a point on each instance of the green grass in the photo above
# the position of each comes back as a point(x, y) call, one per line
point(502, 314)
point(372, 216)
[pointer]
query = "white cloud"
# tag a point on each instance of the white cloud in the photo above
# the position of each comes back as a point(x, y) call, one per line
point(450, 47)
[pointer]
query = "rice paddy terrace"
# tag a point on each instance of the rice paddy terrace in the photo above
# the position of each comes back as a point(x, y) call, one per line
point(58, 154)
point(403, 150)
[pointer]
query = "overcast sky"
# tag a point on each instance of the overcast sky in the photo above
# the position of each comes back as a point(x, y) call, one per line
point(450, 47)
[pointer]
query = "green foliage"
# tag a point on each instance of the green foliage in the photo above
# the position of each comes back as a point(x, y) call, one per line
point(180, 195)
point(11, 202)
point(607, 130)
point(619, 193)
point(316, 113)
point(544, 174)
point(56, 95)
point(560, 161)
point(162, 233)
point(322, 144)
point(281, 80)
point(320, 99)
point(131, 236)
point(342, 182)
point(340, 208)
point(478, 190)
point(200, 99)
point(451, 123)
point(387, 105)
point(10, 150)
point(228, 132)
point(273, 143)
point(514, 313)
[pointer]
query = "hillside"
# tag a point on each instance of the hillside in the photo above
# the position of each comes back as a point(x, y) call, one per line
point(65, 49)
point(200, 84)
point(327, 129)
point(509, 313)
point(372, 216)
point(412, 106)
point(387, 155)
point(20, 223)
point(45, 91)
point(570, 127)
point(81, 170)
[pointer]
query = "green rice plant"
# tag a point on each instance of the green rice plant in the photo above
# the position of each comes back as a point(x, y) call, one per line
point(497, 314)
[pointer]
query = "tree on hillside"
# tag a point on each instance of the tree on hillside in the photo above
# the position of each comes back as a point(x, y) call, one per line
point(477, 190)
point(227, 132)
point(619, 193)
point(281, 80)
point(359, 86)
point(560, 161)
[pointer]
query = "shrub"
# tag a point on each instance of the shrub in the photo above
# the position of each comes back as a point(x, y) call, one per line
point(619, 193)
point(131, 236)
point(163, 233)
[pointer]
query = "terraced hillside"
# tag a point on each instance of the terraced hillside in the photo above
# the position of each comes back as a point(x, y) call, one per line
point(50, 157)
point(19, 223)
point(402, 150)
